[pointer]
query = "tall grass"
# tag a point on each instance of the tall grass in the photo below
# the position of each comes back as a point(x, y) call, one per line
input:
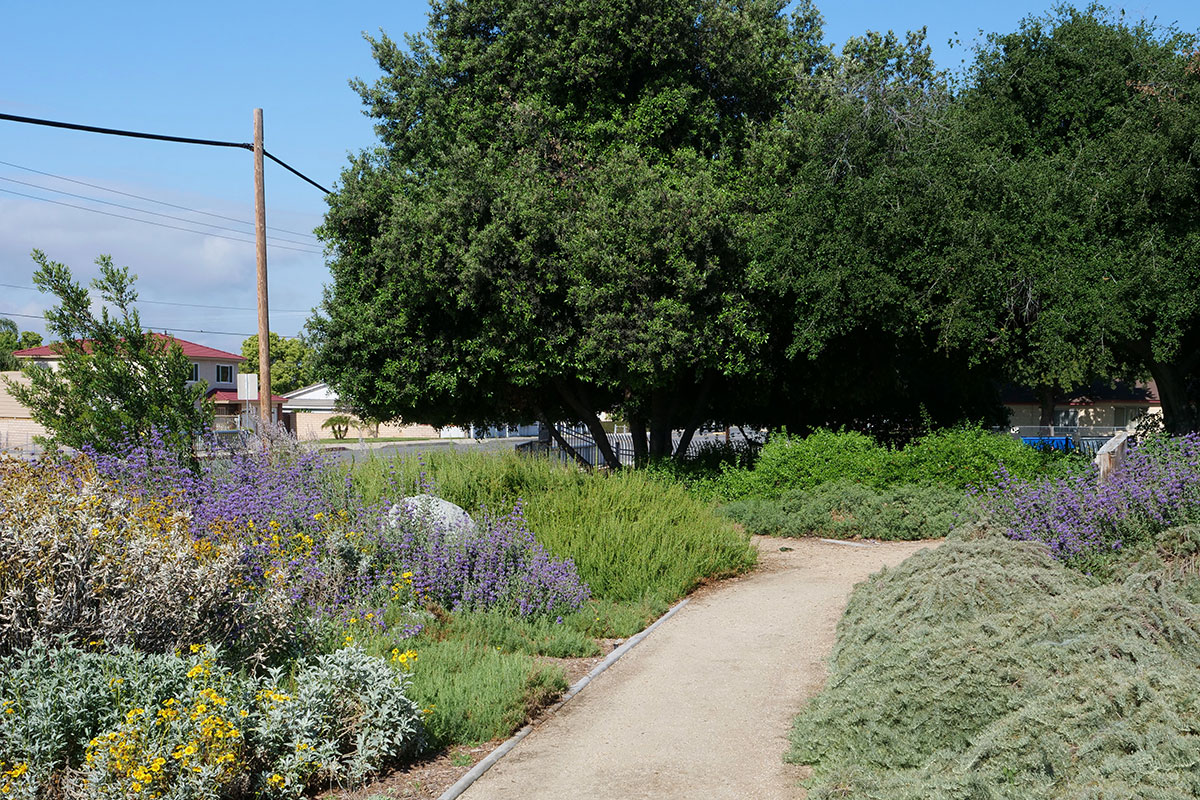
point(633, 538)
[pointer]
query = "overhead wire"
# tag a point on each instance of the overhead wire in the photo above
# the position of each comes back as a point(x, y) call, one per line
point(152, 328)
point(147, 199)
point(74, 126)
point(157, 224)
point(146, 210)
point(185, 305)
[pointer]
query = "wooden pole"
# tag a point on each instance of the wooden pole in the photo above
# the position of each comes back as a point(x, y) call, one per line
point(260, 236)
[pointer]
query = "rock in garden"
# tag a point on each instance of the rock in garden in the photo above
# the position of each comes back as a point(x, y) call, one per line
point(435, 513)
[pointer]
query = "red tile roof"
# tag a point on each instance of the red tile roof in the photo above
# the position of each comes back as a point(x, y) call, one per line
point(190, 349)
point(230, 396)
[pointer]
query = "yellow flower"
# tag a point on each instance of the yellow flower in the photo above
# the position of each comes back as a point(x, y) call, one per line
point(276, 780)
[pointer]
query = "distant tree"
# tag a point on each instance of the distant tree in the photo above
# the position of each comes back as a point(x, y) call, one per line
point(293, 362)
point(11, 340)
point(112, 380)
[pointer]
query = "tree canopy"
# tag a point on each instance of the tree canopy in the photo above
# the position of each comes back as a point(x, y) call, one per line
point(292, 361)
point(705, 212)
point(112, 380)
point(11, 339)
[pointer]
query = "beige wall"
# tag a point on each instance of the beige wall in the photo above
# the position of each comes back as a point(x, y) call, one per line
point(16, 428)
point(308, 426)
point(1099, 416)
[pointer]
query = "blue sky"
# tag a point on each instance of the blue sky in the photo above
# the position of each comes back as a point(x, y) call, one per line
point(199, 70)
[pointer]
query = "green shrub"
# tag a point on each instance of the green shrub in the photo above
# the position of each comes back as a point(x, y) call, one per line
point(824, 456)
point(534, 636)
point(963, 457)
point(121, 723)
point(476, 693)
point(853, 511)
point(986, 669)
point(632, 537)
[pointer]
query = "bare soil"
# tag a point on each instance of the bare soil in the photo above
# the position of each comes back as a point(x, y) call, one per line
point(702, 707)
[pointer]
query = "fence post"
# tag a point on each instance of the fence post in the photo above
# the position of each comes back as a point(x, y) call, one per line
point(1110, 456)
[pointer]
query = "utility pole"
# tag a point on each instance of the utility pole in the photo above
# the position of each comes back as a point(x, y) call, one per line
point(260, 236)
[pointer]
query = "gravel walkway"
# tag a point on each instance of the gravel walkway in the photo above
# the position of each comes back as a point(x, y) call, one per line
point(702, 707)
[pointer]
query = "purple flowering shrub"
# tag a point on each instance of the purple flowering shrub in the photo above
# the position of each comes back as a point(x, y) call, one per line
point(300, 527)
point(1156, 487)
point(498, 566)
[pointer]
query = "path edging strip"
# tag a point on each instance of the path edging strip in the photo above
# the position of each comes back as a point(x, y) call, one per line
point(477, 771)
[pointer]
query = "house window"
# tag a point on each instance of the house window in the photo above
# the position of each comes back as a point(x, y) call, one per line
point(1065, 417)
point(224, 373)
point(1129, 415)
point(194, 375)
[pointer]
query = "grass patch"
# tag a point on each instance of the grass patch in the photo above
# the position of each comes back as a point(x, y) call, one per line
point(534, 636)
point(476, 693)
point(633, 538)
point(987, 669)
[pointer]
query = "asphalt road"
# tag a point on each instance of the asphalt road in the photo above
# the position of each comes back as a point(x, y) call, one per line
point(351, 450)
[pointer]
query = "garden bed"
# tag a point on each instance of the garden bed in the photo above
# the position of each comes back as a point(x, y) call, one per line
point(246, 570)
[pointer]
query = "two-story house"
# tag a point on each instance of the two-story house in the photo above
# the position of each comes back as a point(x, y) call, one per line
point(217, 368)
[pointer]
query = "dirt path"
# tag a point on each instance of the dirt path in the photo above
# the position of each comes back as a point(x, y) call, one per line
point(702, 707)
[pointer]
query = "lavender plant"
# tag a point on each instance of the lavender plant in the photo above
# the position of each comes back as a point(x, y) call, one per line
point(1156, 487)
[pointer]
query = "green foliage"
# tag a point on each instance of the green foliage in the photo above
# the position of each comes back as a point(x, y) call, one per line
point(534, 636)
point(476, 693)
point(984, 668)
point(122, 723)
point(795, 462)
point(339, 424)
point(632, 537)
point(113, 380)
point(10, 340)
point(844, 510)
point(966, 457)
point(293, 362)
point(962, 457)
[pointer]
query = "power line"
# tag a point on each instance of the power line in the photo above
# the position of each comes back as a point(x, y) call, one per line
point(152, 328)
point(147, 199)
point(185, 305)
point(143, 210)
point(159, 137)
point(158, 224)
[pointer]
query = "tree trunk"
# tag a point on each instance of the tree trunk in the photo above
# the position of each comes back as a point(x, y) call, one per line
point(1180, 412)
point(578, 403)
point(1045, 396)
point(660, 425)
point(637, 429)
point(696, 417)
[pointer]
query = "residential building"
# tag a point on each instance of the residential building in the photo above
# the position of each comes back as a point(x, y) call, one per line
point(218, 369)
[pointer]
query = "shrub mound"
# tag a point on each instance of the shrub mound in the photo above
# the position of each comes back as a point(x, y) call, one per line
point(121, 723)
point(843, 510)
point(955, 458)
point(987, 669)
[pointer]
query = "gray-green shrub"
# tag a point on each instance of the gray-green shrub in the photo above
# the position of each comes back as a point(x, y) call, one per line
point(844, 510)
point(986, 669)
point(119, 723)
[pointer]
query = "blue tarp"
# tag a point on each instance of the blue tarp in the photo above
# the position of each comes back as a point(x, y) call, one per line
point(1048, 442)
